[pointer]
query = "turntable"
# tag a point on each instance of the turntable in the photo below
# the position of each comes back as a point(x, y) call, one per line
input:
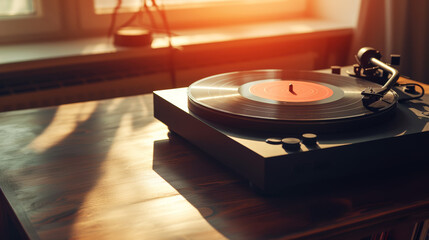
point(285, 128)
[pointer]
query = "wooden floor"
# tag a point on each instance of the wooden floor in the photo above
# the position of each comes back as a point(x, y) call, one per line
point(109, 170)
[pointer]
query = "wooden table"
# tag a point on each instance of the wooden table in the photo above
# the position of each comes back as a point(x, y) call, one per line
point(109, 170)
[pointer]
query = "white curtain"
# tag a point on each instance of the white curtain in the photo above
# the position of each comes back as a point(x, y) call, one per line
point(397, 27)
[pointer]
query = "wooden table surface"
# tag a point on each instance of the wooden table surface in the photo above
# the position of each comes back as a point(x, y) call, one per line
point(109, 170)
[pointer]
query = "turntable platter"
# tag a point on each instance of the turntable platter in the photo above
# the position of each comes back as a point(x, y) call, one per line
point(286, 101)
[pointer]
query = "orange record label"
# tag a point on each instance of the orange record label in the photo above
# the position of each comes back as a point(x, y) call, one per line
point(291, 91)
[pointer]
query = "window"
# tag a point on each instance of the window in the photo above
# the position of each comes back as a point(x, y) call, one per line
point(30, 20)
point(20, 19)
point(16, 7)
point(103, 6)
point(43, 19)
point(195, 13)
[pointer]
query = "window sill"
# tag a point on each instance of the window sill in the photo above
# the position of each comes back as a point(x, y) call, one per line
point(30, 56)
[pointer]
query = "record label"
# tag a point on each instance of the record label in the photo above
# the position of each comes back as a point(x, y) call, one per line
point(291, 91)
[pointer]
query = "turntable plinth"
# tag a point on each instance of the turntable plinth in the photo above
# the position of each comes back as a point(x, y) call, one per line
point(399, 140)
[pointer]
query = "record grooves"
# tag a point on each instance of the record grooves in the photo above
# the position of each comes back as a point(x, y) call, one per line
point(286, 101)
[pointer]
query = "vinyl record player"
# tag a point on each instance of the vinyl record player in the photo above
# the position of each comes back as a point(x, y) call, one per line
point(285, 128)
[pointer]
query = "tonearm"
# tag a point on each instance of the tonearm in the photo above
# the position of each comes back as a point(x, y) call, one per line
point(369, 60)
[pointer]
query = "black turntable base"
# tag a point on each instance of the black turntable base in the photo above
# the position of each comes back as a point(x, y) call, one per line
point(275, 147)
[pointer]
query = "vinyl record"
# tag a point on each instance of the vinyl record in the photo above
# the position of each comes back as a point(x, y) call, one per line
point(286, 101)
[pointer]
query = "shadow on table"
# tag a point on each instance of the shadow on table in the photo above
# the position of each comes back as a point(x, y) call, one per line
point(227, 202)
point(52, 180)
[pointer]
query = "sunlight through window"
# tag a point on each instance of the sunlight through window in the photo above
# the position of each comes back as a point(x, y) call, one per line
point(65, 121)
point(103, 5)
point(16, 7)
